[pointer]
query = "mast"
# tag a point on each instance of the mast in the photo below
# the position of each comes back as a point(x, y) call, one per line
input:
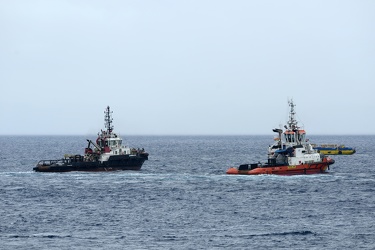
point(292, 123)
point(108, 120)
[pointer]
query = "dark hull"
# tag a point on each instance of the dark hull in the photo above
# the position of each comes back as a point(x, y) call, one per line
point(114, 163)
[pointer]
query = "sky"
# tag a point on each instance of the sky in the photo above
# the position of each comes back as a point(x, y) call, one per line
point(187, 67)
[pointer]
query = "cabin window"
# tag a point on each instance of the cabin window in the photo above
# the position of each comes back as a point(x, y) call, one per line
point(290, 137)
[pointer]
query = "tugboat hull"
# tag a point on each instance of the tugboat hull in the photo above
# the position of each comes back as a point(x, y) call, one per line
point(254, 169)
point(283, 170)
point(68, 165)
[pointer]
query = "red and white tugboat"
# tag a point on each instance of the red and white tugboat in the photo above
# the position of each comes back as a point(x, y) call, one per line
point(108, 154)
point(290, 154)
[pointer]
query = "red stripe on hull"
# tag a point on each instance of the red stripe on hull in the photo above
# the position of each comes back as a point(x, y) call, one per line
point(313, 168)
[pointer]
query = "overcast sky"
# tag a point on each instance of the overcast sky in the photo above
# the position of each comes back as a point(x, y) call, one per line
point(186, 67)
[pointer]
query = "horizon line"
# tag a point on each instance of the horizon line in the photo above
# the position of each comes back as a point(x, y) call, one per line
point(339, 134)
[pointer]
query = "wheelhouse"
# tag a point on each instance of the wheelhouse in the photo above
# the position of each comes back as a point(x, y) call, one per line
point(295, 136)
point(110, 142)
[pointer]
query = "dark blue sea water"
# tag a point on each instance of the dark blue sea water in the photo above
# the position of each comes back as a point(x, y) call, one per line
point(182, 199)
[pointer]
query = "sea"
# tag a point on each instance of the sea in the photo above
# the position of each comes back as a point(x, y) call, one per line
point(182, 198)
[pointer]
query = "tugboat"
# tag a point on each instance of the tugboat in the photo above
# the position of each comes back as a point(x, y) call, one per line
point(334, 149)
point(290, 154)
point(107, 154)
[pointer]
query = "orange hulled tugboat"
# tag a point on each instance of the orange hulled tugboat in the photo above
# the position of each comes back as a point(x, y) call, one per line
point(107, 154)
point(290, 154)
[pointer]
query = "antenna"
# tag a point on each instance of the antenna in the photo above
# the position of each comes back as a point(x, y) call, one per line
point(292, 123)
point(108, 120)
